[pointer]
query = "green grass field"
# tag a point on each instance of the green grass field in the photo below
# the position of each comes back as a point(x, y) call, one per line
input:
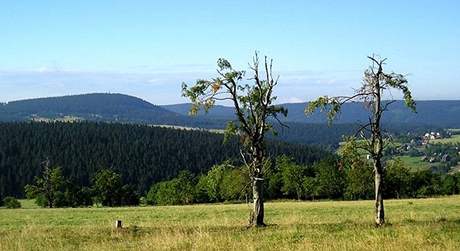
point(424, 224)
point(414, 163)
point(455, 139)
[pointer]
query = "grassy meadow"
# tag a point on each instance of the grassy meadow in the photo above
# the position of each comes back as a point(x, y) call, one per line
point(422, 224)
point(414, 163)
point(455, 139)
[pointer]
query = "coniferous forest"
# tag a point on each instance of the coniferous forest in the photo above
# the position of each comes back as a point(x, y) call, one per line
point(142, 155)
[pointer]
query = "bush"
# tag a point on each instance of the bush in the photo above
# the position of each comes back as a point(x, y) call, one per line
point(11, 202)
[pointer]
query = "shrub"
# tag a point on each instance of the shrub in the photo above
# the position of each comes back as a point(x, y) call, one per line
point(11, 202)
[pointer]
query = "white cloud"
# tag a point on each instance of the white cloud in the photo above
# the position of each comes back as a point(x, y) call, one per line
point(164, 87)
point(294, 100)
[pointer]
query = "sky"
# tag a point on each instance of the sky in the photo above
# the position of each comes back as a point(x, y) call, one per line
point(148, 48)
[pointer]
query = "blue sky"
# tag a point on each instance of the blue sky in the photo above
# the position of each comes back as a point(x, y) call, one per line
point(147, 48)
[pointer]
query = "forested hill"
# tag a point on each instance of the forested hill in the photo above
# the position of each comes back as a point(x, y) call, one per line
point(95, 107)
point(142, 154)
point(436, 113)
point(307, 130)
point(124, 108)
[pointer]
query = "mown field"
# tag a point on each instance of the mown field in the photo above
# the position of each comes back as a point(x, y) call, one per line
point(422, 224)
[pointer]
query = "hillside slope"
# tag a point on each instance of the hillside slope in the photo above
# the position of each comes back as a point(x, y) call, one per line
point(93, 107)
point(142, 154)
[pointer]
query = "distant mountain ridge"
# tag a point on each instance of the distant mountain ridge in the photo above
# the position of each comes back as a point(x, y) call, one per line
point(103, 107)
point(440, 113)
point(124, 108)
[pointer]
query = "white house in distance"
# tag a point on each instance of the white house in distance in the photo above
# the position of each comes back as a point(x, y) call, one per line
point(430, 136)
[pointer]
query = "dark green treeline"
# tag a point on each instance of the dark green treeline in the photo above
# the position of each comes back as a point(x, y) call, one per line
point(141, 154)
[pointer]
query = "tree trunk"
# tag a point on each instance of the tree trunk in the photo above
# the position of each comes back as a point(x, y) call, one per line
point(257, 218)
point(49, 198)
point(379, 209)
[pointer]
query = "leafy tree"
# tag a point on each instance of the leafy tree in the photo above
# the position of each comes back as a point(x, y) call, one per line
point(201, 190)
point(253, 107)
point(420, 182)
point(397, 180)
point(273, 182)
point(371, 93)
point(310, 187)
point(106, 186)
point(234, 184)
point(358, 183)
point(292, 176)
point(213, 182)
point(109, 190)
point(63, 192)
point(448, 185)
point(224, 182)
point(47, 187)
point(11, 202)
point(330, 179)
point(177, 191)
point(75, 196)
point(358, 171)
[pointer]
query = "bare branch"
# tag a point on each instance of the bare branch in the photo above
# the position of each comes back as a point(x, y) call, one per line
point(279, 122)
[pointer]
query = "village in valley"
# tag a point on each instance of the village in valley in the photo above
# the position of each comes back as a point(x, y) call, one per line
point(435, 150)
